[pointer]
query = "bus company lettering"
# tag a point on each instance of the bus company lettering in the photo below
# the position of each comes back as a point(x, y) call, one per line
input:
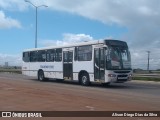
point(47, 66)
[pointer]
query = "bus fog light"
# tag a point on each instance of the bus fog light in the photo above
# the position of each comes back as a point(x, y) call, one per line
point(111, 75)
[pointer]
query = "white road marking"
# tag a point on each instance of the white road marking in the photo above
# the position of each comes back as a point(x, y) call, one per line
point(90, 108)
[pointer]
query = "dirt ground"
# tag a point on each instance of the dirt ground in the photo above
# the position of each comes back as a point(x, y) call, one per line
point(21, 94)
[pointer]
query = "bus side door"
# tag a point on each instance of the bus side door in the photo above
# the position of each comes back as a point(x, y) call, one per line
point(99, 64)
point(68, 65)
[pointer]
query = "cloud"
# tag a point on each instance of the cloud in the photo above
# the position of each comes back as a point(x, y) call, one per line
point(6, 22)
point(139, 56)
point(13, 5)
point(140, 17)
point(13, 60)
point(68, 38)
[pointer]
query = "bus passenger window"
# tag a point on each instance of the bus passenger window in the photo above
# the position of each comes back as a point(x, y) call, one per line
point(50, 55)
point(76, 54)
point(41, 56)
point(85, 53)
point(33, 56)
point(58, 55)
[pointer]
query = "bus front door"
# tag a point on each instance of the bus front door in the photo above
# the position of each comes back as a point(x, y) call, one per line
point(68, 65)
point(99, 64)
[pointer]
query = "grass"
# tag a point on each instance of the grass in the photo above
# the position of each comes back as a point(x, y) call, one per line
point(146, 79)
point(18, 71)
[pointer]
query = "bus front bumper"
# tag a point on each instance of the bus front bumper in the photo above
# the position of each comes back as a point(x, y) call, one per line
point(113, 78)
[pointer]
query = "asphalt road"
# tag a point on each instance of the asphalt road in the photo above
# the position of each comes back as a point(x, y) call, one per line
point(18, 92)
point(133, 87)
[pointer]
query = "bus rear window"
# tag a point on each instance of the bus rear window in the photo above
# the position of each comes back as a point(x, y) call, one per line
point(26, 56)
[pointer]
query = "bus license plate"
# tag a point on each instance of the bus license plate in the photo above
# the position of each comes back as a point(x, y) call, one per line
point(120, 78)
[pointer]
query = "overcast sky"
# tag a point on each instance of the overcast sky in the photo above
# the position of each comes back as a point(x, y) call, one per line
point(135, 21)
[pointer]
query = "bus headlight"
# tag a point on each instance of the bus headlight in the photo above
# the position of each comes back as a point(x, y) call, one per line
point(130, 75)
point(111, 75)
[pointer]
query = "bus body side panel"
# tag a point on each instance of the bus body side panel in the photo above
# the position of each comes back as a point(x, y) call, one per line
point(75, 76)
point(91, 76)
point(49, 73)
point(83, 66)
point(54, 70)
point(26, 68)
point(58, 70)
point(35, 67)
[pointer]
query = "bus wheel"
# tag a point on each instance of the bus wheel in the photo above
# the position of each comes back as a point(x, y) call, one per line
point(84, 79)
point(41, 76)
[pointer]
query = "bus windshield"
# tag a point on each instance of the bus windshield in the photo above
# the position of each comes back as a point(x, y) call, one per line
point(118, 58)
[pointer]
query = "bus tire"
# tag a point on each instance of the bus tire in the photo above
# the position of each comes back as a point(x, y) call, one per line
point(84, 79)
point(41, 76)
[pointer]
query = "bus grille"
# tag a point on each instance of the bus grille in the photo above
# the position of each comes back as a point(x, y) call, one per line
point(122, 71)
point(122, 75)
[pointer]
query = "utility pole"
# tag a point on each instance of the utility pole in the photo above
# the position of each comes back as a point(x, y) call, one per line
point(36, 7)
point(148, 59)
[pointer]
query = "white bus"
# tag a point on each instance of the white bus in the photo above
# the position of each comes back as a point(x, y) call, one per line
point(105, 61)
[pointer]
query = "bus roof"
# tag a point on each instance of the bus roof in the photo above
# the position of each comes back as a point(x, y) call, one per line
point(72, 45)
